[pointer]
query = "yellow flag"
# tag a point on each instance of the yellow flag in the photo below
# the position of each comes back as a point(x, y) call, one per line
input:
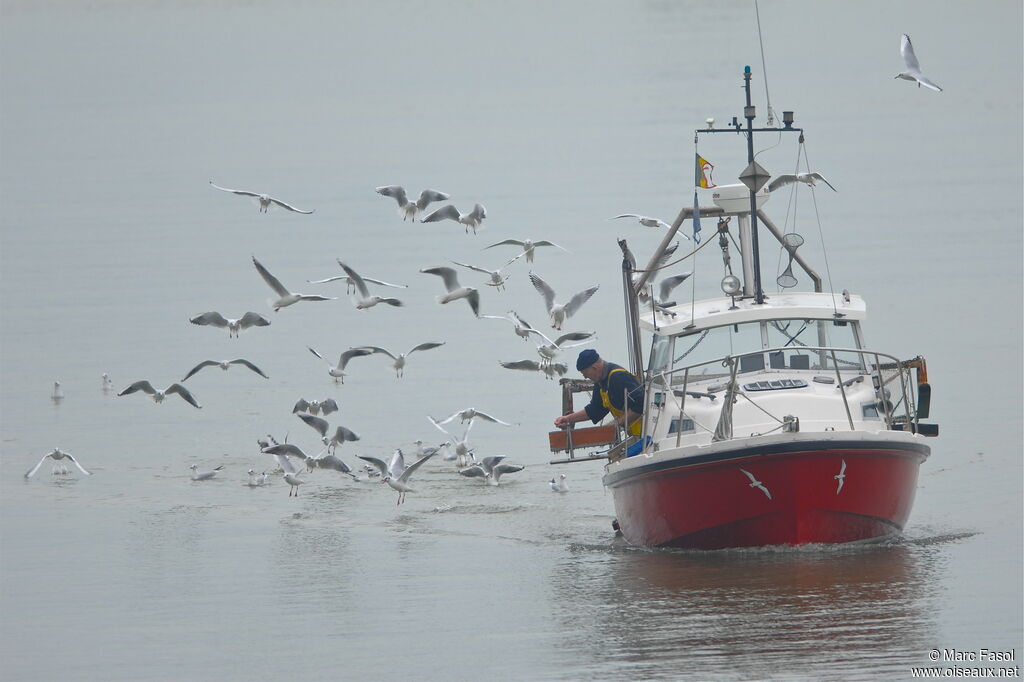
point(702, 173)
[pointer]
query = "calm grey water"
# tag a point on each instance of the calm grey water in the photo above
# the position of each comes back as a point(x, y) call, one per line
point(115, 115)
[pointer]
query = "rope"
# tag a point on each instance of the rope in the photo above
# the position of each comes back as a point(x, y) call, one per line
point(679, 260)
point(821, 234)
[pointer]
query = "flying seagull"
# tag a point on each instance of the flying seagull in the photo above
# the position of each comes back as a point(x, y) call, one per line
point(913, 70)
point(468, 414)
point(497, 280)
point(559, 312)
point(409, 209)
point(455, 290)
point(215, 319)
point(224, 364)
point(316, 406)
point(158, 396)
point(449, 212)
point(350, 285)
point(395, 473)
point(286, 297)
point(548, 349)
point(528, 246)
point(338, 371)
point(491, 469)
point(841, 476)
point(522, 327)
point(809, 179)
point(57, 455)
point(341, 434)
point(645, 220)
point(364, 300)
point(550, 369)
point(400, 359)
point(265, 200)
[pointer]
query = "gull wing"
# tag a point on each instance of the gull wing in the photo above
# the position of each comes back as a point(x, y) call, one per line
point(521, 364)
point(408, 472)
point(285, 464)
point(313, 351)
point(515, 242)
point(300, 406)
point(544, 289)
point(396, 192)
point(31, 472)
point(289, 206)
point(489, 418)
point(356, 280)
point(573, 336)
point(318, 424)
point(425, 346)
point(560, 368)
point(351, 353)
point(378, 463)
point(577, 301)
point(541, 334)
point(670, 283)
point(75, 462)
point(251, 319)
point(819, 176)
point(475, 471)
point(781, 181)
point(328, 406)
point(907, 51)
point(429, 195)
point(285, 450)
point(246, 363)
point(926, 83)
point(143, 386)
point(450, 277)
point(333, 462)
point(473, 298)
point(212, 317)
point(437, 425)
point(183, 392)
point(504, 468)
point(342, 434)
point(448, 212)
point(378, 349)
point(478, 212)
point(474, 267)
point(325, 281)
point(488, 463)
point(385, 284)
point(255, 194)
point(204, 363)
point(545, 242)
point(274, 283)
point(668, 253)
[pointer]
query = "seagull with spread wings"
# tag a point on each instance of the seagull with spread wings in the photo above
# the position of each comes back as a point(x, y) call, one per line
point(338, 371)
point(528, 246)
point(522, 327)
point(912, 72)
point(395, 473)
point(56, 455)
point(224, 364)
point(363, 299)
point(471, 220)
point(285, 297)
point(350, 283)
point(560, 312)
point(265, 201)
point(809, 179)
point(400, 359)
point(158, 396)
point(234, 327)
point(455, 290)
point(410, 209)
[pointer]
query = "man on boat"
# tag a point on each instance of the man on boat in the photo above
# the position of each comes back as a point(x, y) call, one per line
point(615, 390)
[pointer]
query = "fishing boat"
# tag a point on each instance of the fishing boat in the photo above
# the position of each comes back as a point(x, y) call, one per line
point(768, 418)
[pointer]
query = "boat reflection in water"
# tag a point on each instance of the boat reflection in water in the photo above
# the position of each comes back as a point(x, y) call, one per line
point(824, 612)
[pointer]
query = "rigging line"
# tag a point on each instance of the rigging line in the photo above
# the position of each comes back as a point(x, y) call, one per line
point(764, 68)
point(790, 204)
point(750, 400)
point(821, 235)
point(679, 260)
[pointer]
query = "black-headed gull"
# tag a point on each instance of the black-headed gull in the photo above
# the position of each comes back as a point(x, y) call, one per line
point(363, 299)
point(522, 327)
point(256, 480)
point(471, 220)
point(286, 298)
point(198, 475)
point(472, 413)
point(57, 394)
point(224, 364)
point(559, 485)
point(463, 453)
point(646, 221)
point(528, 246)
point(330, 462)
point(316, 406)
point(350, 284)
point(340, 436)
point(497, 279)
point(265, 200)
point(158, 396)
point(549, 350)
point(809, 179)
point(560, 312)
point(215, 319)
point(913, 68)
point(455, 290)
point(665, 288)
point(409, 209)
point(282, 452)
point(395, 473)
point(338, 371)
point(550, 369)
point(400, 359)
point(293, 481)
point(57, 455)
point(108, 383)
point(491, 469)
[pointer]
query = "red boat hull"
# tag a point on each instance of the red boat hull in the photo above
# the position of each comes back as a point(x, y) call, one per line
point(793, 493)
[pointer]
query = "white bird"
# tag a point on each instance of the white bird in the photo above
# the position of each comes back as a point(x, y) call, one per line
point(198, 475)
point(841, 476)
point(293, 480)
point(158, 396)
point(645, 220)
point(338, 371)
point(809, 179)
point(550, 369)
point(522, 327)
point(422, 449)
point(57, 394)
point(108, 383)
point(455, 290)
point(395, 473)
point(56, 455)
point(665, 288)
point(256, 480)
point(400, 359)
point(497, 279)
point(471, 413)
point(286, 298)
point(528, 246)
point(316, 406)
point(364, 300)
point(549, 350)
point(754, 483)
point(350, 284)
point(491, 469)
point(449, 212)
point(409, 209)
point(265, 200)
point(224, 364)
point(282, 452)
point(559, 486)
point(913, 68)
point(340, 436)
point(560, 312)
point(463, 453)
point(329, 462)
point(233, 326)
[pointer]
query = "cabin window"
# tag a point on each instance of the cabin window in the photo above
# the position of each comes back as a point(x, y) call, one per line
point(674, 426)
point(661, 354)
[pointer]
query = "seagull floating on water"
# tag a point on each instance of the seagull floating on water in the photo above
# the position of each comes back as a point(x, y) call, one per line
point(559, 486)
point(215, 319)
point(198, 475)
point(265, 200)
point(560, 312)
point(410, 209)
point(364, 300)
point(158, 396)
point(286, 298)
point(57, 455)
point(224, 364)
point(338, 371)
point(455, 290)
point(400, 359)
point(471, 220)
point(809, 179)
point(528, 246)
point(913, 68)
point(57, 394)
point(256, 480)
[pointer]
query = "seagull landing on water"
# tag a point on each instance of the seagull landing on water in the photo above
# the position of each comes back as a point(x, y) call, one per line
point(341, 434)
point(363, 299)
point(286, 298)
point(338, 371)
point(395, 473)
point(913, 68)
point(528, 246)
point(560, 312)
point(215, 319)
point(491, 469)
point(56, 455)
point(198, 475)
point(265, 200)
point(455, 290)
point(400, 359)
point(471, 220)
point(410, 209)
point(224, 364)
point(754, 483)
point(158, 396)
point(809, 179)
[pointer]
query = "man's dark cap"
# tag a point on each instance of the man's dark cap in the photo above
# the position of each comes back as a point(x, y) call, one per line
point(586, 359)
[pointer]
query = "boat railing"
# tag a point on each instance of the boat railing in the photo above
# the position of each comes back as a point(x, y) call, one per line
point(883, 369)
